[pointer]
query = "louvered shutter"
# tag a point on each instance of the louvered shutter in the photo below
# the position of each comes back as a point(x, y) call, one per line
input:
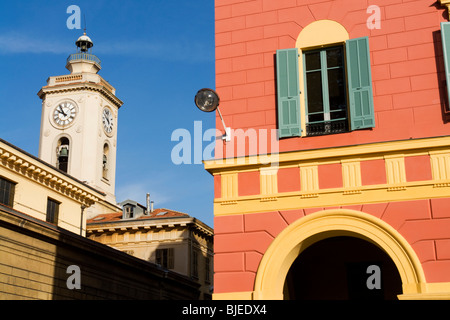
point(288, 93)
point(445, 33)
point(360, 84)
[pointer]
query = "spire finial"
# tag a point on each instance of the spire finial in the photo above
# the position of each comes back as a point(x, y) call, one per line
point(84, 16)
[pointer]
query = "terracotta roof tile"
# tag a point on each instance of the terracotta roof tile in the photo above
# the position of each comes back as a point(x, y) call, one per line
point(156, 214)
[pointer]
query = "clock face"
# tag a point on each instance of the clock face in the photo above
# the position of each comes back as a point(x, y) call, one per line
point(108, 120)
point(64, 114)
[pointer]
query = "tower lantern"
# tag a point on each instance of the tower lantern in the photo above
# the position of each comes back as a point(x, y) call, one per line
point(83, 60)
point(84, 43)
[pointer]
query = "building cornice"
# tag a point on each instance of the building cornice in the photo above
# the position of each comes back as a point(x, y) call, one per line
point(34, 169)
point(147, 224)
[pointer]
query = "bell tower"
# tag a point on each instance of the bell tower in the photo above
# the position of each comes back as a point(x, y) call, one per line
point(79, 121)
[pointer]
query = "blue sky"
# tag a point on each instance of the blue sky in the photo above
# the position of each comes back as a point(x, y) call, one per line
point(156, 53)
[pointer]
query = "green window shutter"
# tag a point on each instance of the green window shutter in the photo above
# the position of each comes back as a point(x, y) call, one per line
point(288, 93)
point(445, 33)
point(360, 84)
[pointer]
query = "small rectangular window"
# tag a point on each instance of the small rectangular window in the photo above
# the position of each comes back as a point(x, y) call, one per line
point(128, 211)
point(52, 211)
point(7, 189)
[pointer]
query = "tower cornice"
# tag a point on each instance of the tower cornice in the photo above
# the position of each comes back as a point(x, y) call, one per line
point(103, 88)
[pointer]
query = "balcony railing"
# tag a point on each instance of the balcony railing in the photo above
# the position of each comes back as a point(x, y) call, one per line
point(326, 127)
point(84, 56)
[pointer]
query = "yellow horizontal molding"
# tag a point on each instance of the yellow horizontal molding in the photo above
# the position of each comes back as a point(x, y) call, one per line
point(244, 295)
point(430, 291)
point(334, 197)
point(370, 151)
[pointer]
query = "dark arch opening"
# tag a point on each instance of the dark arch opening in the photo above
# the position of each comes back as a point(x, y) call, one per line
point(343, 268)
point(63, 150)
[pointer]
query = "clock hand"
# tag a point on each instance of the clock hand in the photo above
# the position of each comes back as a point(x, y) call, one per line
point(62, 111)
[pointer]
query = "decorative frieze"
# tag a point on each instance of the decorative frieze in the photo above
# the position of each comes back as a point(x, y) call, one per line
point(50, 178)
point(395, 162)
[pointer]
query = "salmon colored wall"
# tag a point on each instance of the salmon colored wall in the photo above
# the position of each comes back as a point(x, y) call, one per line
point(288, 179)
point(373, 172)
point(406, 57)
point(241, 240)
point(330, 176)
point(418, 168)
point(217, 187)
point(248, 183)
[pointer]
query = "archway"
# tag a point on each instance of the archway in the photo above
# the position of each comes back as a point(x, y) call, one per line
point(342, 268)
point(62, 154)
point(298, 236)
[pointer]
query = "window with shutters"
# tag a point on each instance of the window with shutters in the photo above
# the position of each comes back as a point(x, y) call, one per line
point(128, 211)
point(52, 211)
point(7, 189)
point(336, 88)
point(165, 258)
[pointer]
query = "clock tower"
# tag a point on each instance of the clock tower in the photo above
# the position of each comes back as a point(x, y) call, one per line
point(79, 122)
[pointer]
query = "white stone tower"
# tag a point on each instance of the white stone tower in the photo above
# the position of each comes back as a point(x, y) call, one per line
point(79, 122)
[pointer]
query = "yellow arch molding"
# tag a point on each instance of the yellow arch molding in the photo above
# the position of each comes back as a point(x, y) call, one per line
point(320, 33)
point(304, 232)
